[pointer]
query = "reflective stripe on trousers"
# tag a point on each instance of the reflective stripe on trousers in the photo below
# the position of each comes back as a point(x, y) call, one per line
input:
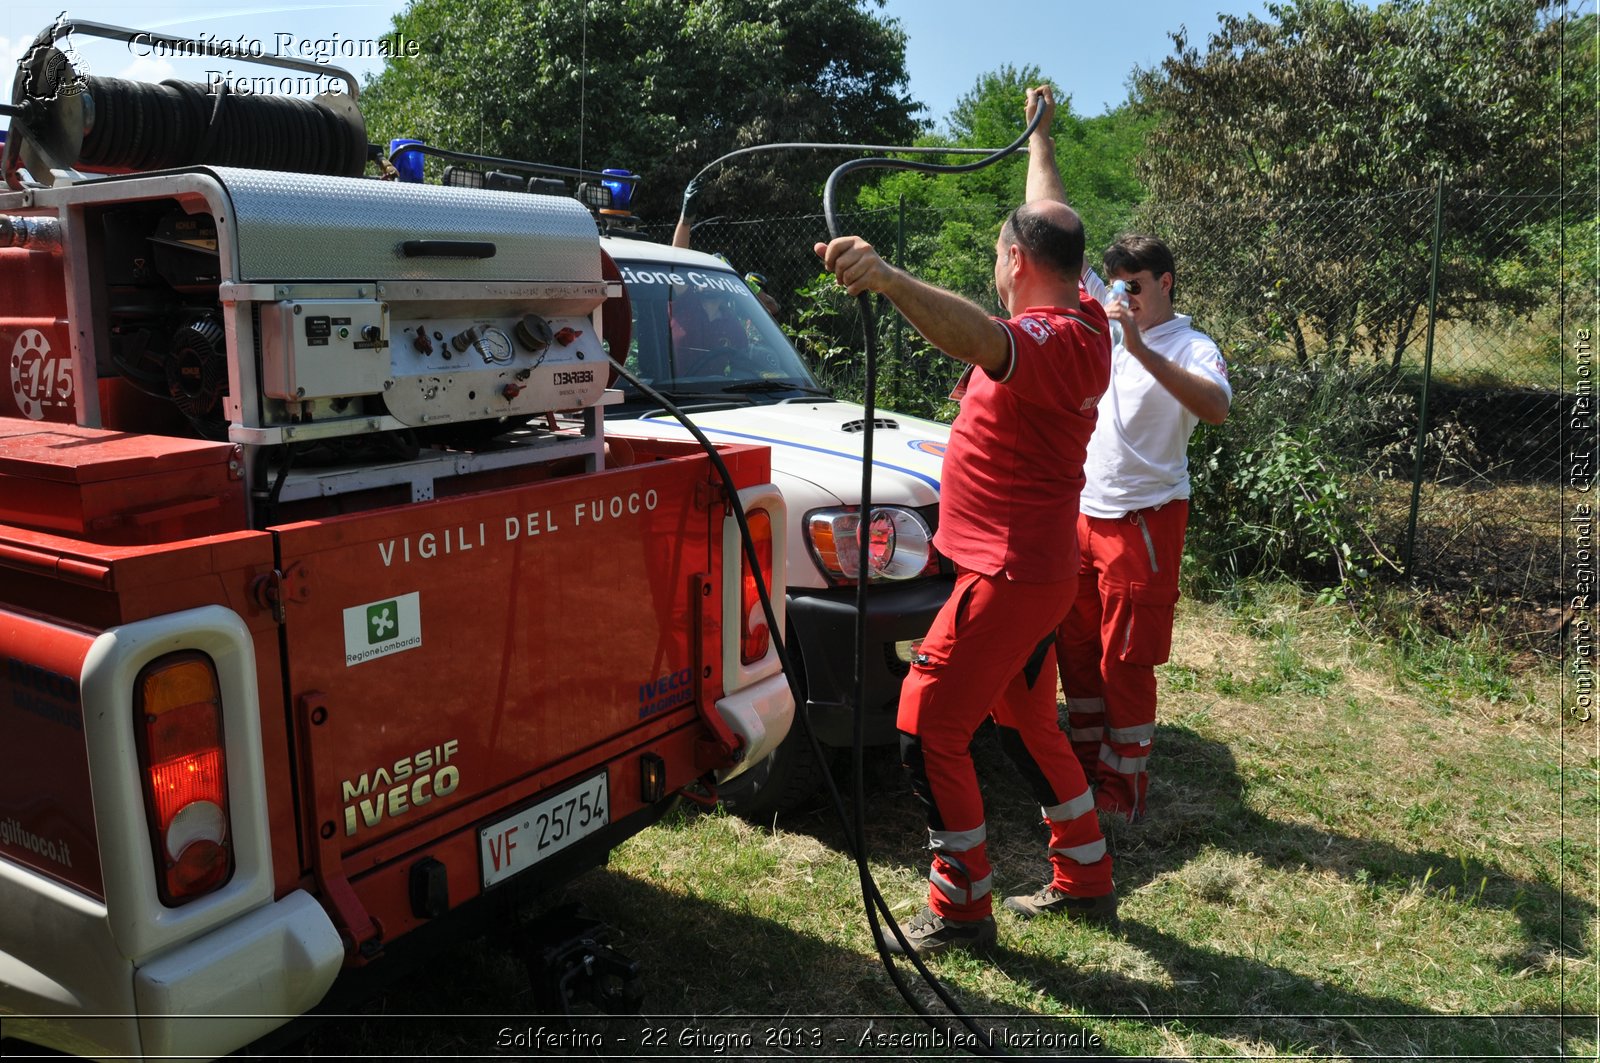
point(1138, 553)
point(960, 869)
point(1086, 721)
point(1123, 765)
point(958, 841)
point(1082, 854)
point(950, 877)
point(1078, 861)
point(1144, 732)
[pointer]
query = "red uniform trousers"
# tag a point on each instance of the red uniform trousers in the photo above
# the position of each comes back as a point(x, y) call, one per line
point(989, 653)
point(1119, 629)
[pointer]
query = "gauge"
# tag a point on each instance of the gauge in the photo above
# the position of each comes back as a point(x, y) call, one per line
point(494, 345)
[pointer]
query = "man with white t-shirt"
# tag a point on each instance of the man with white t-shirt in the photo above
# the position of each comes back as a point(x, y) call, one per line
point(1166, 377)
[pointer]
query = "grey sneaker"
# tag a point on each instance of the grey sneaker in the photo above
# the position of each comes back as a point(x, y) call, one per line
point(929, 934)
point(1052, 901)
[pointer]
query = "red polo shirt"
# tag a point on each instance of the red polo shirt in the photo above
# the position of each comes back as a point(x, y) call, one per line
point(1014, 467)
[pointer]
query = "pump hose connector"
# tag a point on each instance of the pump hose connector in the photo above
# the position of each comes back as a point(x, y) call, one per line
point(30, 234)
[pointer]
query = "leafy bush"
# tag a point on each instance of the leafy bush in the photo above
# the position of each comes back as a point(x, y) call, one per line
point(913, 377)
point(1283, 485)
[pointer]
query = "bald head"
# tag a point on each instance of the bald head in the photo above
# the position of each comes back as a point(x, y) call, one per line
point(1049, 232)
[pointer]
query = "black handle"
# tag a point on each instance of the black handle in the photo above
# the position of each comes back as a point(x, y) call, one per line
point(447, 249)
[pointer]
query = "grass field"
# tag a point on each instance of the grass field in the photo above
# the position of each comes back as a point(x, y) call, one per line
point(1517, 353)
point(1352, 853)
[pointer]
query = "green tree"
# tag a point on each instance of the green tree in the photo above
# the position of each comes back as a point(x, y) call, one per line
point(959, 216)
point(1350, 112)
point(658, 86)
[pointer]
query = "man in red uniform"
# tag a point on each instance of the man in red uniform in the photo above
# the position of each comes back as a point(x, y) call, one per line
point(1009, 501)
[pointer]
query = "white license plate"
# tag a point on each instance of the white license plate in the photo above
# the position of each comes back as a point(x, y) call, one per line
point(524, 838)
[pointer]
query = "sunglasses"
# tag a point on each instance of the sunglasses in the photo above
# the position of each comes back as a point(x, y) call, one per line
point(1134, 287)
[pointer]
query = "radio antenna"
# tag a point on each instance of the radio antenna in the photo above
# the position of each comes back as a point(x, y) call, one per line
point(583, 75)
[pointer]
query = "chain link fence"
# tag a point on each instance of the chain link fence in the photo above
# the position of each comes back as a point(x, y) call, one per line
point(1397, 362)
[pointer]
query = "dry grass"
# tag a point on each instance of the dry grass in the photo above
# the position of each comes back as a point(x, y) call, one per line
point(1509, 353)
point(1342, 862)
point(1488, 555)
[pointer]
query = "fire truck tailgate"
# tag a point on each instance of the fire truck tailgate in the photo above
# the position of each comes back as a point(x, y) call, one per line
point(442, 656)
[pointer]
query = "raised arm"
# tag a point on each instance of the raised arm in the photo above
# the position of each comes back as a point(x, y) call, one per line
point(681, 233)
point(1044, 179)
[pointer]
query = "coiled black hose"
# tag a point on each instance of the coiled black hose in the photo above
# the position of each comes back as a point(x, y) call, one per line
point(140, 125)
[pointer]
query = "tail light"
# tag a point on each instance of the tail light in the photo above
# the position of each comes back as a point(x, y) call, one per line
point(185, 770)
point(755, 637)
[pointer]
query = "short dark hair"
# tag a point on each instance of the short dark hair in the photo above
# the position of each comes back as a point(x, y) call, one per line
point(1057, 244)
point(1135, 251)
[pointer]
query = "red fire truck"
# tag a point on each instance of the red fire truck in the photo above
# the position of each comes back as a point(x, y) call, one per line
point(327, 612)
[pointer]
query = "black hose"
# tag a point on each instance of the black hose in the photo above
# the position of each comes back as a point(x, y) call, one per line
point(762, 591)
point(854, 830)
point(271, 506)
point(145, 126)
point(912, 149)
point(872, 898)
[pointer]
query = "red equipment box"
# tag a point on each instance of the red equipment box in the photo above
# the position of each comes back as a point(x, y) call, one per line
point(117, 488)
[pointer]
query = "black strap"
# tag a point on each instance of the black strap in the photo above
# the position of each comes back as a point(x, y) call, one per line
point(1035, 665)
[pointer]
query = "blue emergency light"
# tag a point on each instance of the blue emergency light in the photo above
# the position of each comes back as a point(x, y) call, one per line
point(621, 191)
point(407, 164)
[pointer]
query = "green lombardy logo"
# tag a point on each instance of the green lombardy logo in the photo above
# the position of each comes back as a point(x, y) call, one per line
point(378, 629)
point(381, 622)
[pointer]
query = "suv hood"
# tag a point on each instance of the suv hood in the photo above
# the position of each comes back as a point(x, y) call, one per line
point(820, 442)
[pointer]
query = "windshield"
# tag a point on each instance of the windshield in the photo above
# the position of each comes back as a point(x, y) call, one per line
point(703, 333)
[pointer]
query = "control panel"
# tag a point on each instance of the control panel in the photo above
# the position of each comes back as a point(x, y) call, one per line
point(430, 370)
point(466, 368)
point(324, 348)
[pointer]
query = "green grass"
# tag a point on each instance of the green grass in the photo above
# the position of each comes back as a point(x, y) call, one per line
point(1354, 852)
point(1505, 353)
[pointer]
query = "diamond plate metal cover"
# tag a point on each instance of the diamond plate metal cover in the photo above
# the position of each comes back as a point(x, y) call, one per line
point(301, 227)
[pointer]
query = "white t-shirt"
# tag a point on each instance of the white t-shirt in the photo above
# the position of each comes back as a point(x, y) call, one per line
point(1138, 456)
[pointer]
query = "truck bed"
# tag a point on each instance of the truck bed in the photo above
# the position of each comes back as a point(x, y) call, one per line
point(441, 699)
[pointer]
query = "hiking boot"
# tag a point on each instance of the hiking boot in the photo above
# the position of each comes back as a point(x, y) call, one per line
point(929, 934)
point(1052, 901)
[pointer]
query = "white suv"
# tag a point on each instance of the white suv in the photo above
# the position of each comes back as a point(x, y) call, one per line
point(702, 339)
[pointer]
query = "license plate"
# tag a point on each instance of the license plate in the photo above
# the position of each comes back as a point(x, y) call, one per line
point(524, 838)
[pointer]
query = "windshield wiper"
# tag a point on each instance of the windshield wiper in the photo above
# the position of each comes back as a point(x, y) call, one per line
point(637, 403)
point(635, 395)
point(766, 386)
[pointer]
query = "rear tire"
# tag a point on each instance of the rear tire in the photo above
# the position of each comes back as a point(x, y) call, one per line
point(783, 782)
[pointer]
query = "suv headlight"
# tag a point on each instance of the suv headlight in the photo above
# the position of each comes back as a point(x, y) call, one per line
point(899, 543)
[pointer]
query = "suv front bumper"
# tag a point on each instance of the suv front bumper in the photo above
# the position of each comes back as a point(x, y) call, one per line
point(824, 623)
